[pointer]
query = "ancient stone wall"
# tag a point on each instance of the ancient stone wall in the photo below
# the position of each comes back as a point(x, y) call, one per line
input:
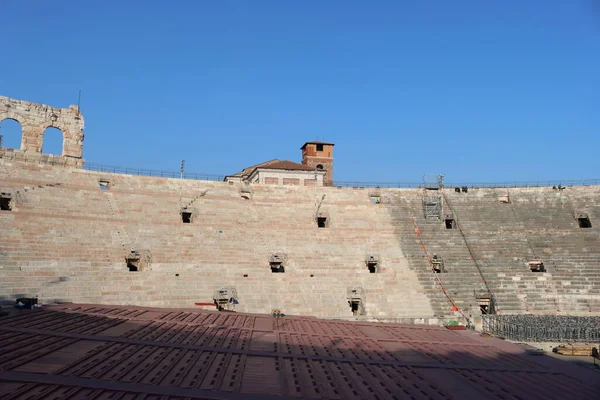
point(34, 118)
point(67, 238)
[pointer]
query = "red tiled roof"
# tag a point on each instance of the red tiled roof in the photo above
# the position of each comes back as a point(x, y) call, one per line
point(275, 164)
point(287, 165)
point(123, 352)
point(248, 170)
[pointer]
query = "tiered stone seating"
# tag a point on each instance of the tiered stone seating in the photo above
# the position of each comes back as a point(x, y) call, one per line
point(461, 278)
point(67, 239)
point(537, 222)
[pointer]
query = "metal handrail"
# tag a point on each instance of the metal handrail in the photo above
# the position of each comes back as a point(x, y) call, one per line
point(57, 160)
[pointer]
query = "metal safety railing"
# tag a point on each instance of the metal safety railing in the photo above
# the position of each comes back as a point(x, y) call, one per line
point(490, 185)
point(543, 328)
point(58, 160)
point(153, 172)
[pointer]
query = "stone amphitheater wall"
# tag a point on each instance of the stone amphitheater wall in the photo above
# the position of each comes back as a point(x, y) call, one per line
point(66, 239)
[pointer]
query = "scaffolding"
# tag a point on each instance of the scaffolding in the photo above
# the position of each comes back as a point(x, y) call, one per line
point(543, 328)
point(433, 208)
point(433, 204)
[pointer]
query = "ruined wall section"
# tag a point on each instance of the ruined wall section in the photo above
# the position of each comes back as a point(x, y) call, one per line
point(34, 118)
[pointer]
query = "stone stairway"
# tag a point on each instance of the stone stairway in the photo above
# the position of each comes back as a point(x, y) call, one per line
point(461, 278)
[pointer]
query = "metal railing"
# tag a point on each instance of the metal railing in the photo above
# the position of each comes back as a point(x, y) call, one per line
point(490, 185)
point(543, 328)
point(152, 172)
point(58, 160)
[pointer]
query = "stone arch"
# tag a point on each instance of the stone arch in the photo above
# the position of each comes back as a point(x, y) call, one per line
point(52, 141)
point(12, 133)
point(35, 118)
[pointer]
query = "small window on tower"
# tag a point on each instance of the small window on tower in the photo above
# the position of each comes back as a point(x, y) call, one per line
point(319, 166)
point(319, 147)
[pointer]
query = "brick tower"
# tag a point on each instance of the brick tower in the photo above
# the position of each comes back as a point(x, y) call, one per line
point(319, 155)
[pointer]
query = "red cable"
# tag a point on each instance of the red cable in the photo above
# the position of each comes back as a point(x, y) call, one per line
point(418, 234)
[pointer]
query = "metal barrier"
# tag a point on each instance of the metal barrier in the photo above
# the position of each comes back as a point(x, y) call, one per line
point(153, 172)
point(351, 184)
point(543, 328)
point(490, 185)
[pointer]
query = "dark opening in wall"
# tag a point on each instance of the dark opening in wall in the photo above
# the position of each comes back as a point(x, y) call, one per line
point(536, 264)
point(450, 223)
point(372, 262)
point(584, 222)
point(5, 203)
point(137, 260)
point(319, 147)
point(322, 222)
point(132, 266)
point(186, 217)
point(356, 300)
point(277, 268)
point(276, 262)
point(355, 306)
point(539, 267)
point(246, 192)
point(485, 301)
point(437, 263)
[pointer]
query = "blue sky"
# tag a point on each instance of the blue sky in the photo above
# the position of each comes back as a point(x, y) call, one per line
point(478, 90)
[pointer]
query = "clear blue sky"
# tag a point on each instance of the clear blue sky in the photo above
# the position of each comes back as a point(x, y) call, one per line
point(479, 90)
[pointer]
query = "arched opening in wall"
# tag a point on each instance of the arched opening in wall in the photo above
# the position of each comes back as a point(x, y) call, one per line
point(11, 133)
point(320, 167)
point(52, 141)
